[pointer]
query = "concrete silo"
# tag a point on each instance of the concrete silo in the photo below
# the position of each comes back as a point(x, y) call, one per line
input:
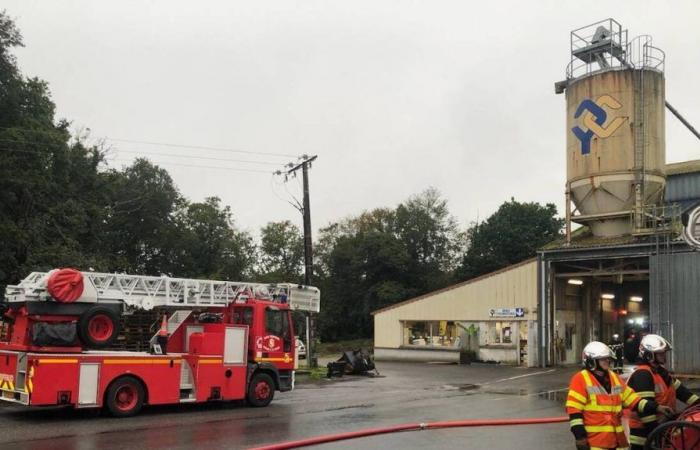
point(615, 129)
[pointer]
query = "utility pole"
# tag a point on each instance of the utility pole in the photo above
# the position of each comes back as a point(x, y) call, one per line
point(306, 212)
point(305, 165)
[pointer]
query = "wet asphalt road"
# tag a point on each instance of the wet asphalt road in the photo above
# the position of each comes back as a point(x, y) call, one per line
point(406, 392)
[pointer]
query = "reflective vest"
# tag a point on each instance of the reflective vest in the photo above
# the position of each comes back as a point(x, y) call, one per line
point(663, 395)
point(602, 411)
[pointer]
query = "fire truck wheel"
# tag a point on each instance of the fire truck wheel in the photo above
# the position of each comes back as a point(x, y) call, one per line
point(261, 390)
point(125, 397)
point(98, 327)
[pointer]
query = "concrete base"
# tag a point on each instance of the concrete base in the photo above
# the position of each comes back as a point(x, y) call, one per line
point(419, 354)
point(504, 354)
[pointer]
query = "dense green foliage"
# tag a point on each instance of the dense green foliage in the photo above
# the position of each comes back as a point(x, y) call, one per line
point(60, 205)
point(513, 233)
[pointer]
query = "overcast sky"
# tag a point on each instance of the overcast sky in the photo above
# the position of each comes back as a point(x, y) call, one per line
point(393, 96)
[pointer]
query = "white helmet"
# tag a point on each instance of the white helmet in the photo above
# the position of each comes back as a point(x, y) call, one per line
point(652, 343)
point(594, 351)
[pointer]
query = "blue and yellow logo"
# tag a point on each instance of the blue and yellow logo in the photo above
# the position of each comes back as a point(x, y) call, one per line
point(594, 117)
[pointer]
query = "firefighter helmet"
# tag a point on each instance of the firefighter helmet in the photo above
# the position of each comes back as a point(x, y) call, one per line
point(652, 343)
point(593, 351)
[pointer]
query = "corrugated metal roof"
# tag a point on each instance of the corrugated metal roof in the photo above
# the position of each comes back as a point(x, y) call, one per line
point(454, 286)
point(683, 167)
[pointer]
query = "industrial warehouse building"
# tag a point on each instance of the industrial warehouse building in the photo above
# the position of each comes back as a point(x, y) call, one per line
point(594, 287)
point(495, 313)
point(588, 289)
point(633, 265)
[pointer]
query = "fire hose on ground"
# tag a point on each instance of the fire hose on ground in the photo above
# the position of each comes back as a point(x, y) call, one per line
point(411, 427)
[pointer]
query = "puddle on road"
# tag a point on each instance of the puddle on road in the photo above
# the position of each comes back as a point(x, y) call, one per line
point(459, 387)
point(557, 396)
point(509, 391)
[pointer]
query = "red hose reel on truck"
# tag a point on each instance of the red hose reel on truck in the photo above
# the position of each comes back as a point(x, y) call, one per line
point(68, 319)
point(65, 285)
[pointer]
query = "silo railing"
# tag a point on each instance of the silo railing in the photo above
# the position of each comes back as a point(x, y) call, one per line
point(641, 54)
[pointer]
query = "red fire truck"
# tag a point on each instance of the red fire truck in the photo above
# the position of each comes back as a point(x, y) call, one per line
point(221, 340)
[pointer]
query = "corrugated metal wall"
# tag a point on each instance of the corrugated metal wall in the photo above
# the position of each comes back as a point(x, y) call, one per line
point(674, 288)
point(682, 187)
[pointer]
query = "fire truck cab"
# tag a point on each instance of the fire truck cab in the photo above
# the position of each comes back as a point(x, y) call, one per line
point(214, 346)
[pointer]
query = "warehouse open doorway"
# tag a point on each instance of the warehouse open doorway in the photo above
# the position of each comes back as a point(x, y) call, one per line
point(601, 299)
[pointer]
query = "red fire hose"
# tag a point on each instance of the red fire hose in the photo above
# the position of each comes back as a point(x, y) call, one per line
point(410, 427)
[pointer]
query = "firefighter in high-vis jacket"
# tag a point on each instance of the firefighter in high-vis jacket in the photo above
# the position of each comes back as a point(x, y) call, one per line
point(596, 399)
point(652, 381)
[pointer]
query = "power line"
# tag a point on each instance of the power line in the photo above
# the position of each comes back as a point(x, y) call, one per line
point(167, 163)
point(237, 169)
point(201, 157)
point(200, 147)
point(145, 152)
point(162, 144)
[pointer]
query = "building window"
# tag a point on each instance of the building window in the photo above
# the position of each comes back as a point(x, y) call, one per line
point(439, 333)
point(498, 333)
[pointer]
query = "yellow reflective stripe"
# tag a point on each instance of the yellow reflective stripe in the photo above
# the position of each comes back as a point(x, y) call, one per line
point(211, 361)
point(676, 383)
point(637, 440)
point(575, 422)
point(692, 399)
point(614, 377)
point(586, 378)
point(603, 408)
point(578, 396)
point(601, 448)
point(573, 404)
point(630, 398)
point(58, 361)
point(141, 361)
point(604, 428)
point(12, 385)
point(648, 419)
point(626, 393)
point(647, 394)
point(641, 405)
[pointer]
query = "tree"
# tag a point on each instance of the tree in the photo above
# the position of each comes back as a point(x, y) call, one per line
point(208, 245)
point(139, 229)
point(431, 237)
point(382, 257)
point(49, 195)
point(59, 206)
point(511, 234)
point(281, 253)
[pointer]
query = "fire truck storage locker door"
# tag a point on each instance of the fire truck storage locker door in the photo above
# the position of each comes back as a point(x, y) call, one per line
point(87, 390)
point(235, 345)
point(191, 329)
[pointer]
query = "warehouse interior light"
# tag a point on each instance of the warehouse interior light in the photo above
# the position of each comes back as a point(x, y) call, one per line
point(636, 298)
point(608, 296)
point(575, 281)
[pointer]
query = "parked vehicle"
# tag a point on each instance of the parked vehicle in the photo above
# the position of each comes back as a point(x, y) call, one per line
point(301, 349)
point(220, 340)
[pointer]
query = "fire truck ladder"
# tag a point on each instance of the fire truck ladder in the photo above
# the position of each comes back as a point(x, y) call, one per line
point(148, 292)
